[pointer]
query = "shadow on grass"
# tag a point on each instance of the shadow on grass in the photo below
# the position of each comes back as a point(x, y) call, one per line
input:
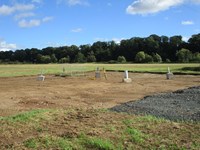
point(191, 68)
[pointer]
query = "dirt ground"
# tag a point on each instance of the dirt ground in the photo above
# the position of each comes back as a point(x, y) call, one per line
point(25, 93)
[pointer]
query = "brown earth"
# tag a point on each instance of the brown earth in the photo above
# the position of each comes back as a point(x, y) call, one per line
point(25, 93)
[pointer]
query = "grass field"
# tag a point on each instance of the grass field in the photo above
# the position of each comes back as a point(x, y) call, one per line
point(32, 69)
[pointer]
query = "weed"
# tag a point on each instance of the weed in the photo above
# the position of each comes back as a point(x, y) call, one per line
point(149, 118)
point(136, 135)
point(30, 143)
point(98, 143)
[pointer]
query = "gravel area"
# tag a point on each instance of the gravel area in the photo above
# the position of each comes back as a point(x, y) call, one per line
point(181, 105)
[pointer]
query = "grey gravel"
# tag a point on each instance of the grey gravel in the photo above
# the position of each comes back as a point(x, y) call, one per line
point(181, 105)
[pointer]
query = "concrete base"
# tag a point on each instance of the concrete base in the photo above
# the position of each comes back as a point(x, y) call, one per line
point(127, 80)
point(41, 78)
point(169, 76)
point(97, 75)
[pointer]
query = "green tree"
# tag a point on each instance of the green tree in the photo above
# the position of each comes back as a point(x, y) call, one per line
point(20, 55)
point(164, 39)
point(53, 58)
point(91, 57)
point(157, 58)
point(184, 55)
point(140, 57)
point(196, 57)
point(45, 59)
point(152, 44)
point(121, 59)
point(80, 58)
point(194, 43)
point(148, 58)
point(64, 60)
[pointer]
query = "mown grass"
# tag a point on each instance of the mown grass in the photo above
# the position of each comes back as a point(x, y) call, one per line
point(64, 130)
point(35, 69)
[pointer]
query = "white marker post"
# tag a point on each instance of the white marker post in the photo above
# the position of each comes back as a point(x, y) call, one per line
point(126, 74)
point(169, 74)
point(126, 78)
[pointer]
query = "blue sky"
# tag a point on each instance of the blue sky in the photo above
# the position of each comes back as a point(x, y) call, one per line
point(43, 23)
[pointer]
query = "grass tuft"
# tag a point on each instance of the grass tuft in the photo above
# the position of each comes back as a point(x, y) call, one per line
point(98, 143)
point(31, 143)
point(136, 135)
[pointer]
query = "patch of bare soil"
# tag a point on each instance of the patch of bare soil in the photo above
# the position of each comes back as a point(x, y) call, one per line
point(25, 93)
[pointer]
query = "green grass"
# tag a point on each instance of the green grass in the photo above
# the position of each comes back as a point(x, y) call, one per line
point(61, 129)
point(48, 142)
point(35, 69)
point(24, 117)
point(99, 143)
point(136, 135)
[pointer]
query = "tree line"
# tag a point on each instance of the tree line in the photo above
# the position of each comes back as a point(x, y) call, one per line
point(150, 49)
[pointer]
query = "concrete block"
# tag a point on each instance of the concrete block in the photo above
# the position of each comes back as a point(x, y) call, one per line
point(41, 78)
point(169, 76)
point(127, 80)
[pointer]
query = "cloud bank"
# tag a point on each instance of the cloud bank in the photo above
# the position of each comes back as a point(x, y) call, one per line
point(4, 46)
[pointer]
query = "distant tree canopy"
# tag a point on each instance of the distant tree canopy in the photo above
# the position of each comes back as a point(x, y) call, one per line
point(150, 49)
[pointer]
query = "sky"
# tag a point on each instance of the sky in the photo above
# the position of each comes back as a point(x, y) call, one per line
point(43, 23)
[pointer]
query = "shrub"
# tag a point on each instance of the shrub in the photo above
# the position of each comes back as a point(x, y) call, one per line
point(121, 59)
point(184, 55)
point(148, 58)
point(140, 57)
point(157, 58)
point(64, 60)
point(80, 58)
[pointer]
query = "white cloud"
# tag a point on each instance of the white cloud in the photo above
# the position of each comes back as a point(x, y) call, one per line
point(46, 19)
point(37, 1)
point(28, 24)
point(187, 22)
point(77, 30)
point(4, 46)
point(7, 10)
point(74, 2)
point(24, 15)
point(33, 22)
point(144, 7)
